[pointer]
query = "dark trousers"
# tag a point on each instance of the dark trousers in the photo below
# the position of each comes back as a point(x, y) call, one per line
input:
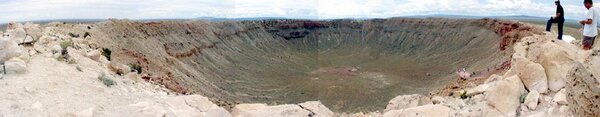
point(560, 26)
point(588, 42)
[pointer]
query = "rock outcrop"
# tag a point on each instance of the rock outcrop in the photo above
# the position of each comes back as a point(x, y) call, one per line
point(424, 111)
point(532, 99)
point(15, 65)
point(403, 101)
point(504, 96)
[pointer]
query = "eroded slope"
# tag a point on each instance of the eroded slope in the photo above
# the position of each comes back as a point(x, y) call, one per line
point(350, 65)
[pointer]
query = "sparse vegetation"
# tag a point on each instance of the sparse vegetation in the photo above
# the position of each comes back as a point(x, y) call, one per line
point(61, 58)
point(74, 35)
point(66, 43)
point(463, 95)
point(71, 61)
point(106, 53)
point(522, 98)
point(87, 34)
point(136, 68)
point(106, 81)
point(64, 54)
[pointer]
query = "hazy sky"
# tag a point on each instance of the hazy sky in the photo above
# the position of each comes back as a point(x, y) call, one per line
point(27, 10)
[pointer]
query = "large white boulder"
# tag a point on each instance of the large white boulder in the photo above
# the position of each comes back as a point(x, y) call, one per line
point(561, 97)
point(403, 101)
point(477, 90)
point(94, 55)
point(9, 49)
point(557, 60)
point(262, 110)
point(493, 78)
point(15, 65)
point(119, 68)
point(531, 101)
point(317, 108)
point(422, 111)
point(532, 74)
point(562, 111)
point(28, 39)
point(18, 35)
point(504, 96)
point(33, 30)
point(557, 73)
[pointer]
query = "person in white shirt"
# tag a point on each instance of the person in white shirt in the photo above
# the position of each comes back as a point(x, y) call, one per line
point(590, 30)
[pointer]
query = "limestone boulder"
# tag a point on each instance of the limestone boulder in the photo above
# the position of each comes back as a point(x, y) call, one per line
point(504, 96)
point(33, 30)
point(477, 90)
point(437, 99)
point(422, 111)
point(94, 55)
point(262, 110)
point(561, 111)
point(15, 65)
point(531, 101)
point(17, 35)
point(317, 108)
point(493, 78)
point(557, 73)
point(532, 74)
point(9, 49)
point(56, 49)
point(583, 92)
point(557, 60)
point(28, 39)
point(520, 50)
point(561, 97)
point(403, 101)
point(13, 25)
point(119, 68)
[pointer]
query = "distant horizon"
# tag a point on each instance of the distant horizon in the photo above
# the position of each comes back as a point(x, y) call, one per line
point(36, 10)
point(259, 18)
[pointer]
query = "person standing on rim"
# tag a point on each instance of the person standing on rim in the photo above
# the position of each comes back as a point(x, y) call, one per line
point(590, 30)
point(559, 18)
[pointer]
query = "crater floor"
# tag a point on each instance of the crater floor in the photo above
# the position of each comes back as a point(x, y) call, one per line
point(349, 65)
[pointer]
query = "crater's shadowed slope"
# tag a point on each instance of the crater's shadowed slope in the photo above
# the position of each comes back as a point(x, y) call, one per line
point(349, 65)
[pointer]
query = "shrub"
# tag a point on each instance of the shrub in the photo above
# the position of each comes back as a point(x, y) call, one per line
point(61, 58)
point(71, 61)
point(136, 68)
point(463, 95)
point(66, 43)
point(106, 52)
point(106, 81)
point(87, 34)
point(74, 35)
point(522, 98)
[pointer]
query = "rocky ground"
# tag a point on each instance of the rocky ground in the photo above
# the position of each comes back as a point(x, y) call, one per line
point(52, 73)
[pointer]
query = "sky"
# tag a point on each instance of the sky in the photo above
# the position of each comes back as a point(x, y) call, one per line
point(32, 10)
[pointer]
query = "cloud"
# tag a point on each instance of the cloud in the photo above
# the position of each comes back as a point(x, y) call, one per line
point(23, 10)
point(276, 8)
point(26, 10)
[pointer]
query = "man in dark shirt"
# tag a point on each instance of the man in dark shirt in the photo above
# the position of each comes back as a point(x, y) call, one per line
point(559, 18)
